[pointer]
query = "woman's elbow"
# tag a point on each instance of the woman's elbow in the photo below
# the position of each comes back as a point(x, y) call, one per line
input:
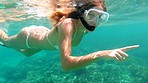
point(69, 65)
point(66, 66)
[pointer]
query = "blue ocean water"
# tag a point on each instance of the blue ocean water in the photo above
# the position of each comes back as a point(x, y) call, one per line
point(127, 26)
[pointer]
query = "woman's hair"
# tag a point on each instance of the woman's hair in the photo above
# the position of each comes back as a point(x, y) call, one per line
point(62, 8)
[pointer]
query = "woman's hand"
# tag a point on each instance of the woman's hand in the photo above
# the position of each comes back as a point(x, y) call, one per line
point(118, 54)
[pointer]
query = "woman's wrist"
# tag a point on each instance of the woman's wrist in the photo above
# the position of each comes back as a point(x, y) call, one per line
point(100, 54)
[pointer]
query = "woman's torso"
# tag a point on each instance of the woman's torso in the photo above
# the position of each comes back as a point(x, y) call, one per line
point(43, 38)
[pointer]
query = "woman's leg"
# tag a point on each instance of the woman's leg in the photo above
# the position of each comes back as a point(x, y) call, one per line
point(9, 41)
point(16, 42)
point(3, 37)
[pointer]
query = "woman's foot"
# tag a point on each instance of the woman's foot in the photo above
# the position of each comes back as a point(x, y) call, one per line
point(2, 44)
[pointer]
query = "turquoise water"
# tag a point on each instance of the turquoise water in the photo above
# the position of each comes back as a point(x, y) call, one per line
point(128, 25)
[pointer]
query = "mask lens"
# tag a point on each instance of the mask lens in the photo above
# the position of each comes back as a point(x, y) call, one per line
point(96, 16)
point(91, 15)
point(103, 18)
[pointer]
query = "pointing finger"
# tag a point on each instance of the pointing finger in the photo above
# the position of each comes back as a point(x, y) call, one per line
point(129, 47)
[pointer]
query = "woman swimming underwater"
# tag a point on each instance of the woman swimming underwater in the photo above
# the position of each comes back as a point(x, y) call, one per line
point(71, 22)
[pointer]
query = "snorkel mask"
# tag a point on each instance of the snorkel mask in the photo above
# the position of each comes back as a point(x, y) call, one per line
point(94, 16)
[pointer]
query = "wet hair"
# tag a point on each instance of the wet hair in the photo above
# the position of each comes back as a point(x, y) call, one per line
point(67, 8)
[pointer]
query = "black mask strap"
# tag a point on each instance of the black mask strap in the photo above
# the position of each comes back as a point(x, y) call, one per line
point(80, 11)
point(86, 25)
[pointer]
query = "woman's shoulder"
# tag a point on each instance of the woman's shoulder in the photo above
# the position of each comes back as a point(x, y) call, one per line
point(65, 23)
point(67, 20)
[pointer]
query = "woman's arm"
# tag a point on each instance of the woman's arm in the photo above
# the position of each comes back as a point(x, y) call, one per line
point(70, 62)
